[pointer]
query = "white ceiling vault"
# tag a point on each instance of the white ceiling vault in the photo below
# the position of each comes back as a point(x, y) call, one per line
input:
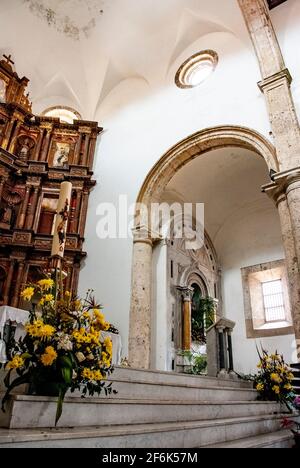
point(75, 52)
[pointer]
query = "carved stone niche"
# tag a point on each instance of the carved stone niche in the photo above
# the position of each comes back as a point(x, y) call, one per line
point(11, 199)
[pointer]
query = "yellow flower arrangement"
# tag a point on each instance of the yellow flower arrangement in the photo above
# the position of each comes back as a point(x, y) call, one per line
point(63, 345)
point(273, 381)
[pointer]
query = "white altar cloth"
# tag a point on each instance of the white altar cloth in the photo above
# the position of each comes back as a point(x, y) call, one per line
point(20, 317)
point(16, 316)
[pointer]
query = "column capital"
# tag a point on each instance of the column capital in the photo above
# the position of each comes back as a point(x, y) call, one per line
point(186, 292)
point(272, 81)
point(141, 234)
point(283, 183)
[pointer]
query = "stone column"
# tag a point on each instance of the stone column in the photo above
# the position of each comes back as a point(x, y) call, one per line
point(32, 209)
point(140, 311)
point(277, 192)
point(275, 84)
point(222, 351)
point(16, 297)
point(8, 282)
point(230, 352)
point(23, 210)
point(187, 294)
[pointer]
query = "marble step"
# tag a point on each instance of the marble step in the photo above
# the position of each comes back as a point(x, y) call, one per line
point(32, 411)
point(137, 375)
point(132, 383)
point(274, 440)
point(191, 434)
point(296, 366)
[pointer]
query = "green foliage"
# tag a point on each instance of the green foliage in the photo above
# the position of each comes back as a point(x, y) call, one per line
point(203, 316)
point(197, 362)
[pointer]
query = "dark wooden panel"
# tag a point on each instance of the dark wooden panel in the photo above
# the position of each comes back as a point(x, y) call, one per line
point(275, 3)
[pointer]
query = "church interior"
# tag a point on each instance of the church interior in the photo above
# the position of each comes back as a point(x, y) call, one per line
point(110, 110)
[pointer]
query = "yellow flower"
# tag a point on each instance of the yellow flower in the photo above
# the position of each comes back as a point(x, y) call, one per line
point(97, 376)
point(34, 329)
point(276, 378)
point(67, 294)
point(290, 376)
point(49, 297)
point(27, 294)
point(276, 389)
point(49, 357)
point(46, 284)
point(259, 366)
point(288, 387)
point(16, 363)
point(108, 345)
point(106, 359)
point(260, 387)
point(46, 331)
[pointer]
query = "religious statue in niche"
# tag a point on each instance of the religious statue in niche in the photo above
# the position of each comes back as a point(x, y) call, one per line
point(25, 146)
point(2, 91)
point(61, 155)
point(7, 217)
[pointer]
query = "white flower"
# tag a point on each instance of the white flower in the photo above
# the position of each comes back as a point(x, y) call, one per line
point(80, 357)
point(64, 342)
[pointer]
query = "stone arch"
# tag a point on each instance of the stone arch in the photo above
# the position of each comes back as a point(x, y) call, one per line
point(164, 170)
point(198, 144)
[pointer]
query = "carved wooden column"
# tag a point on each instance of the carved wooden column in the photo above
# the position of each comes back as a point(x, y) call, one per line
point(7, 134)
point(78, 148)
point(12, 145)
point(186, 295)
point(32, 209)
point(17, 291)
point(8, 282)
point(83, 211)
point(46, 142)
point(92, 151)
point(140, 310)
point(2, 183)
point(23, 210)
point(38, 145)
point(78, 208)
point(86, 148)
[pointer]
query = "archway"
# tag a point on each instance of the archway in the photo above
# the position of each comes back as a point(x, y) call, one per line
point(193, 147)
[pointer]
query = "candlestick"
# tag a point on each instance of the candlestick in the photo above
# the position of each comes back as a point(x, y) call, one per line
point(61, 221)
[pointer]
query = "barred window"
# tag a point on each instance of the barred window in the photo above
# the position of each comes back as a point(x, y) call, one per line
point(274, 301)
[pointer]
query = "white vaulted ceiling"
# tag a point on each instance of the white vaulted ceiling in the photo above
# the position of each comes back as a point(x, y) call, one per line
point(77, 51)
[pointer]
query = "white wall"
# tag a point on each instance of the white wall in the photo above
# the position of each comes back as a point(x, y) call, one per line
point(251, 238)
point(144, 118)
point(141, 124)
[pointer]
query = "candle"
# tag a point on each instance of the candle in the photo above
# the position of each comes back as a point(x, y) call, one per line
point(61, 221)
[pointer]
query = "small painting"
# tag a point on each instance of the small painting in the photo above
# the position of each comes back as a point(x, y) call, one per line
point(61, 155)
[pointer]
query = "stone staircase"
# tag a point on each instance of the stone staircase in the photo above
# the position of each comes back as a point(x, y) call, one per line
point(296, 381)
point(151, 410)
